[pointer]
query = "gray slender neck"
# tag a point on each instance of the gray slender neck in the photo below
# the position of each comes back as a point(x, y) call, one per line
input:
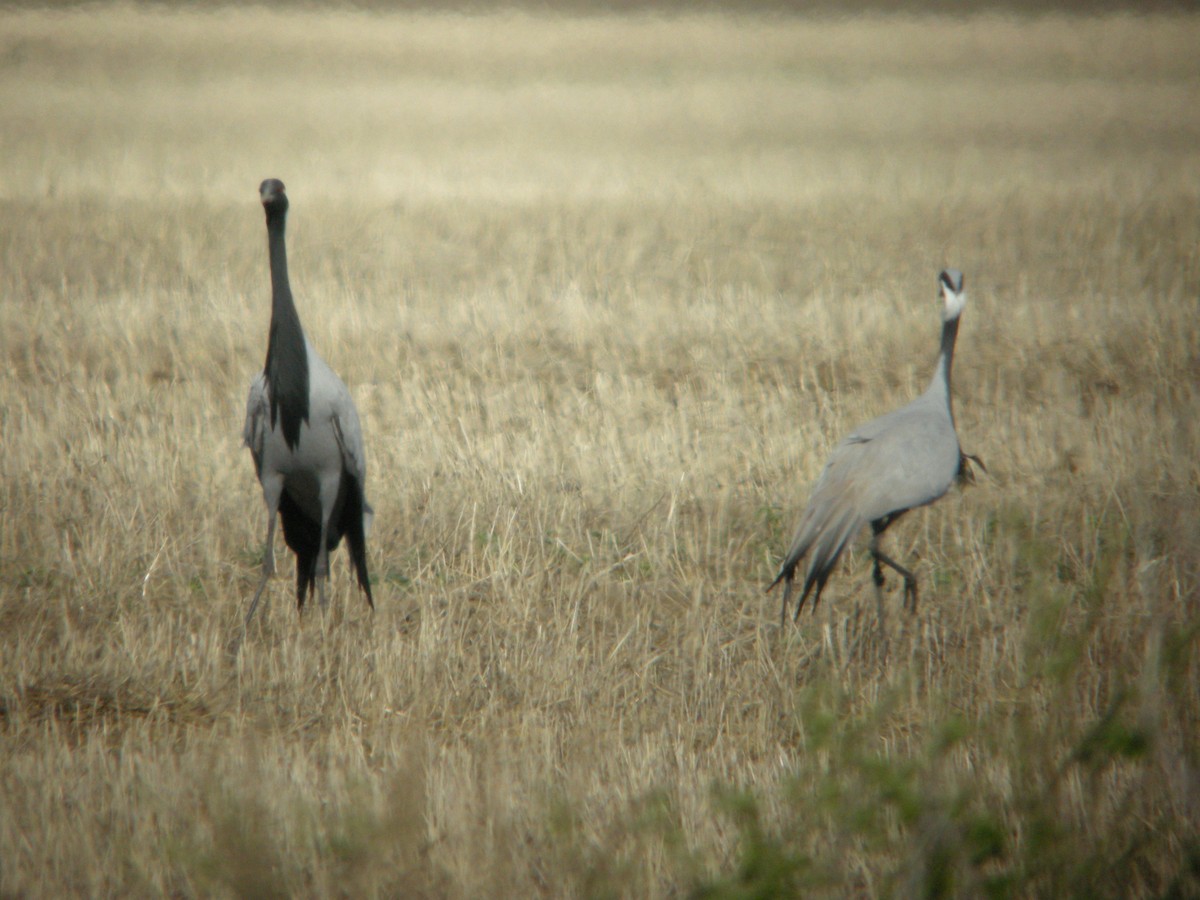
point(939, 385)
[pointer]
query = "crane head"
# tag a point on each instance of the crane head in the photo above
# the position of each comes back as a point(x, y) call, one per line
point(950, 284)
point(273, 195)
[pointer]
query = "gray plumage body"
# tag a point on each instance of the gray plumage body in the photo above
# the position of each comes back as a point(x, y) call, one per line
point(305, 437)
point(899, 461)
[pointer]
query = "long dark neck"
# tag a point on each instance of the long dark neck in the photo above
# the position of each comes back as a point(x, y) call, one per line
point(940, 383)
point(287, 358)
point(281, 289)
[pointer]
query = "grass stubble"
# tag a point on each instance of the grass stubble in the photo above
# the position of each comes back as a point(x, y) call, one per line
point(606, 291)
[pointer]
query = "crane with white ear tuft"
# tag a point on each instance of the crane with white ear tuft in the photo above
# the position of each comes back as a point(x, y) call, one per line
point(896, 462)
point(303, 432)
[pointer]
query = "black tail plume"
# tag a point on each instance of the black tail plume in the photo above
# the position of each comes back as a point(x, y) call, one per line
point(351, 524)
point(303, 536)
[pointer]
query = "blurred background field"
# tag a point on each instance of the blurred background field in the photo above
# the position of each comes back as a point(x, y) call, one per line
point(606, 288)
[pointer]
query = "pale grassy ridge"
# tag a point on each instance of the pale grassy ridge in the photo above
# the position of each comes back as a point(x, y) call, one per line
point(606, 291)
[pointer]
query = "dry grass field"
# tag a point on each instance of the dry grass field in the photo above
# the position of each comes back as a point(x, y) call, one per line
point(606, 289)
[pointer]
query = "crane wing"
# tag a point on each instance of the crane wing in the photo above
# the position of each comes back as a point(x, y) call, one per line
point(348, 431)
point(905, 459)
point(258, 418)
point(331, 397)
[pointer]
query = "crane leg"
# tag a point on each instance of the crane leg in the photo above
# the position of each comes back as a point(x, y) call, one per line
point(881, 629)
point(910, 580)
point(877, 577)
point(268, 566)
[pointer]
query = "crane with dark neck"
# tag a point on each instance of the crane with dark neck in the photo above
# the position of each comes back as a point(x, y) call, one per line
point(303, 431)
point(286, 367)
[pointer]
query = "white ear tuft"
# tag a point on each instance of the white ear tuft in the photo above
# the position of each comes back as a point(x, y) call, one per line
point(955, 298)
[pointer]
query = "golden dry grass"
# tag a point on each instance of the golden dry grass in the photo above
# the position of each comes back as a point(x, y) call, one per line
point(606, 291)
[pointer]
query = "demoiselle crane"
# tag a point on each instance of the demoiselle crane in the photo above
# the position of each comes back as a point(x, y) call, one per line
point(904, 459)
point(303, 432)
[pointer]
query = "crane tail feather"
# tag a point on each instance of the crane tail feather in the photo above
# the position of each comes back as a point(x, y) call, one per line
point(354, 521)
point(303, 537)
